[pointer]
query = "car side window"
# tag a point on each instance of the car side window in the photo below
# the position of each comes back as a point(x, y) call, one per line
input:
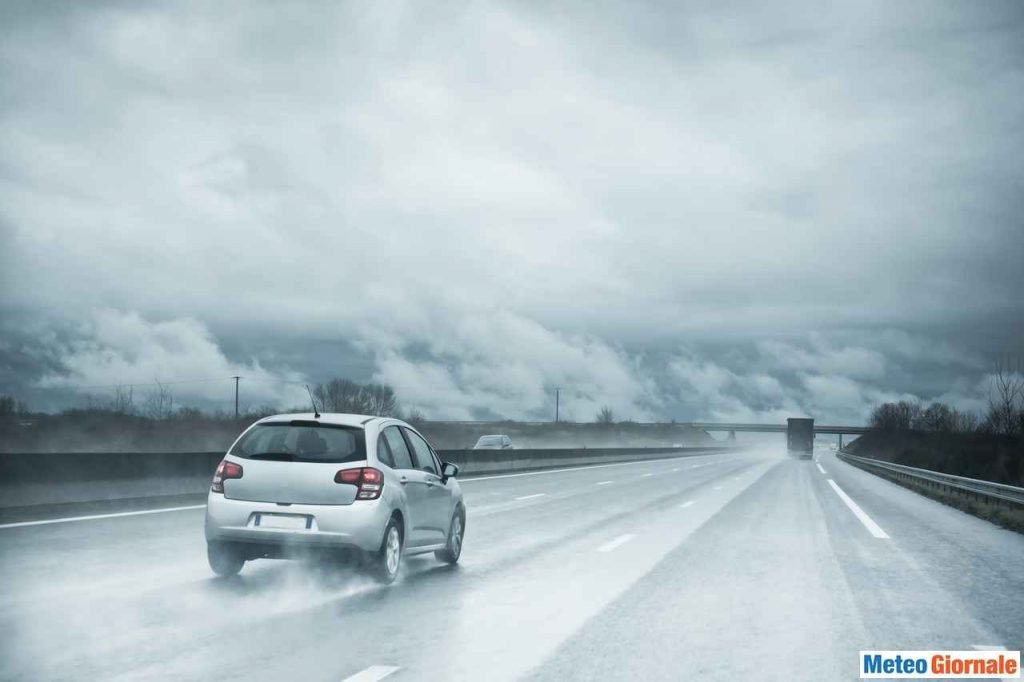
point(384, 452)
point(399, 450)
point(424, 458)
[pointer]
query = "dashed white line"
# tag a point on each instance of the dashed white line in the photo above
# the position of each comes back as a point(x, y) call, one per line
point(820, 468)
point(617, 542)
point(530, 497)
point(872, 527)
point(646, 475)
point(94, 517)
point(373, 673)
point(676, 469)
point(688, 503)
point(603, 482)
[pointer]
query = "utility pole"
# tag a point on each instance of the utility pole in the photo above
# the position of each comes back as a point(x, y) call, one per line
point(556, 403)
point(236, 395)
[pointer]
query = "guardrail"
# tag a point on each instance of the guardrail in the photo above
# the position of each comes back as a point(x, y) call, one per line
point(961, 484)
point(28, 479)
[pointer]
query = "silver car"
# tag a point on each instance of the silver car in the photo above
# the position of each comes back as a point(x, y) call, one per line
point(296, 482)
point(494, 442)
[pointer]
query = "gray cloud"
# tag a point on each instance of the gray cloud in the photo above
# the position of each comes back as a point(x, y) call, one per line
point(816, 209)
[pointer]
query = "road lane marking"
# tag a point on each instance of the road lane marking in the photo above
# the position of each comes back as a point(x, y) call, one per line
point(820, 468)
point(97, 517)
point(603, 482)
point(530, 497)
point(646, 475)
point(718, 487)
point(688, 503)
point(617, 542)
point(94, 517)
point(373, 673)
point(859, 513)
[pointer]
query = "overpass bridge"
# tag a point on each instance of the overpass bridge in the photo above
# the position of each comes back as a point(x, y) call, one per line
point(776, 428)
point(732, 428)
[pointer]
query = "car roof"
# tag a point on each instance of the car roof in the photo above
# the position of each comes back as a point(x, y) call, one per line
point(494, 435)
point(325, 418)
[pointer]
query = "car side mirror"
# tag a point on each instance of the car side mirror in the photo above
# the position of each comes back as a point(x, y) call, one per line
point(448, 470)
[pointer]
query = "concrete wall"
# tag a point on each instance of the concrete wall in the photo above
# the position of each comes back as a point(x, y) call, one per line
point(55, 478)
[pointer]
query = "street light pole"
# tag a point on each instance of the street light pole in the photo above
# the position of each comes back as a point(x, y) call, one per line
point(556, 404)
point(236, 395)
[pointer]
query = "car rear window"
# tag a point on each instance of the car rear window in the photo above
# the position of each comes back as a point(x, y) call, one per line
point(302, 442)
point(489, 440)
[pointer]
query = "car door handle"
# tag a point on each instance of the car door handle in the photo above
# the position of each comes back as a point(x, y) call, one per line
point(403, 480)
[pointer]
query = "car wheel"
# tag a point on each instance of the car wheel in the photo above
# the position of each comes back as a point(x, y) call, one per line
point(456, 533)
point(225, 560)
point(388, 558)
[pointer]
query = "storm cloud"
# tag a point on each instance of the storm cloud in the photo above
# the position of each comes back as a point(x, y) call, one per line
point(677, 210)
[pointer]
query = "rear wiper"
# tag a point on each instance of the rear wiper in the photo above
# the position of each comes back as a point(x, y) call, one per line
point(279, 456)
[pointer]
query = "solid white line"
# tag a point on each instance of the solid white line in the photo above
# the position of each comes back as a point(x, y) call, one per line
point(581, 468)
point(859, 513)
point(688, 503)
point(373, 673)
point(530, 497)
point(603, 482)
point(94, 517)
point(612, 544)
point(821, 468)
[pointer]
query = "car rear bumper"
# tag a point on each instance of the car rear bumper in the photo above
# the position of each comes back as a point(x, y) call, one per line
point(359, 525)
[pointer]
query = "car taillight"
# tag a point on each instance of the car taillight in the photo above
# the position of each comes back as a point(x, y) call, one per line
point(369, 480)
point(225, 470)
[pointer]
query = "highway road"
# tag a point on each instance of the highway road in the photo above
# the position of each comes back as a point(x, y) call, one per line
point(723, 567)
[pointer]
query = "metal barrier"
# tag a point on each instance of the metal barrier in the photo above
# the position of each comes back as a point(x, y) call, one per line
point(57, 478)
point(979, 488)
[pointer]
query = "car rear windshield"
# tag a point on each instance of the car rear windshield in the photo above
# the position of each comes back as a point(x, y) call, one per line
point(302, 442)
point(489, 440)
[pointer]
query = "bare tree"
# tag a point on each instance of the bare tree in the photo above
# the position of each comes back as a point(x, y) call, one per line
point(160, 403)
point(123, 401)
point(1006, 398)
point(414, 416)
point(605, 415)
point(901, 416)
point(937, 417)
point(344, 395)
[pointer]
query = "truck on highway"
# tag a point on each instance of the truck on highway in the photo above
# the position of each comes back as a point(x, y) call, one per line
point(800, 436)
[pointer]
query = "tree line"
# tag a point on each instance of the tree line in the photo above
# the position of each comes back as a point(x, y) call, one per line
point(336, 395)
point(1005, 413)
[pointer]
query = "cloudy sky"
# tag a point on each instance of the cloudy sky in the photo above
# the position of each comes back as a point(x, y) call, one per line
point(680, 210)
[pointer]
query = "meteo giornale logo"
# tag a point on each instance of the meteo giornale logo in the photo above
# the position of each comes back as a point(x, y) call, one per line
point(939, 664)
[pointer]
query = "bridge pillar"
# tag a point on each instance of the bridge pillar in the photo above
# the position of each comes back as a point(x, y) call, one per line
point(840, 441)
point(732, 436)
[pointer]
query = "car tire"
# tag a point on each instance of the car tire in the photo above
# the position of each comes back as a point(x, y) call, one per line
point(387, 561)
point(456, 533)
point(225, 560)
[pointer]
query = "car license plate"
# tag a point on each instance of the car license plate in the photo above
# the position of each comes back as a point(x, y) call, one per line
point(288, 521)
